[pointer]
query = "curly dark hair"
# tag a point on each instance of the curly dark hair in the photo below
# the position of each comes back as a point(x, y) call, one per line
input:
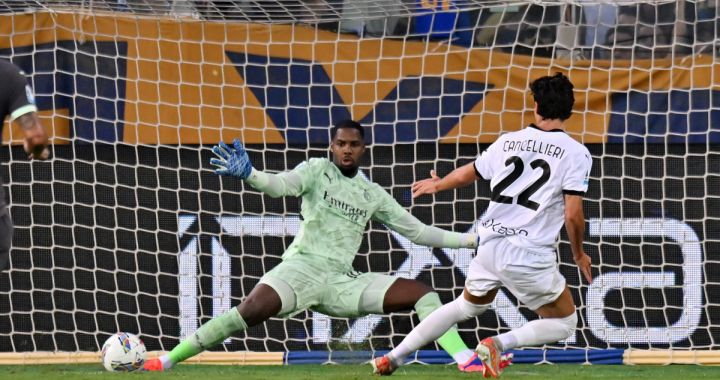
point(554, 96)
point(347, 124)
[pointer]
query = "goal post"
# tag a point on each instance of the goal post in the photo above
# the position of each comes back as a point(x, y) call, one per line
point(127, 228)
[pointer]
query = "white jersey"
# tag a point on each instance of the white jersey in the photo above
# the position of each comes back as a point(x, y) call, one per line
point(529, 171)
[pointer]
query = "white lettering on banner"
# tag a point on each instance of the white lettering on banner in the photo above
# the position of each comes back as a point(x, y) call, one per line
point(187, 279)
point(220, 279)
point(188, 284)
point(288, 225)
point(670, 229)
point(420, 257)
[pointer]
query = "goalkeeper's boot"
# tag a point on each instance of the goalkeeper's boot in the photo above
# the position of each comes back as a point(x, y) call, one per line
point(489, 354)
point(383, 366)
point(475, 364)
point(153, 365)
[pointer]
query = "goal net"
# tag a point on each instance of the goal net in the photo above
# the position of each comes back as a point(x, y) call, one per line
point(127, 228)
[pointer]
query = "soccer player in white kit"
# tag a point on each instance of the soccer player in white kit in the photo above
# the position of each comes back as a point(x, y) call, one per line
point(538, 176)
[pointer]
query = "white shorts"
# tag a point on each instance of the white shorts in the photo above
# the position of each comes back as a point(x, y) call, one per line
point(532, 277)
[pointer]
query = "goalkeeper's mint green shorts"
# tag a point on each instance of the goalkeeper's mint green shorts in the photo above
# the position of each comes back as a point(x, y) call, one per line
point(304, 284)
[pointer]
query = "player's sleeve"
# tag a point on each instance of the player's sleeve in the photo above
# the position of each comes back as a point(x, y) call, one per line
point(291, 183)
point(484, 162)
point(396, 218)
point(21, 96)
point(577, 175)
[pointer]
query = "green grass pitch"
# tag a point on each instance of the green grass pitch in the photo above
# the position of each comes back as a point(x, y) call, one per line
point(339, 372)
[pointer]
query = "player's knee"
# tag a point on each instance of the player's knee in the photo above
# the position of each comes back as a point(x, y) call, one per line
point(468, 309)
point(246, 312)
point(253, 311)
point(569, 324)
point(411, 289)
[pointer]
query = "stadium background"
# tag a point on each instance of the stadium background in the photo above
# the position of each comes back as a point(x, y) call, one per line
point(134, 104)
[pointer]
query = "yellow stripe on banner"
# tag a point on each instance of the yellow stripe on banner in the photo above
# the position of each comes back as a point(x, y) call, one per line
point(236, 358)
point(663, 357)
point(15, 358)
point(214, 358)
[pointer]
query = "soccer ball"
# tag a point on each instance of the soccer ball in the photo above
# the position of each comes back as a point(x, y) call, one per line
point(123, 352)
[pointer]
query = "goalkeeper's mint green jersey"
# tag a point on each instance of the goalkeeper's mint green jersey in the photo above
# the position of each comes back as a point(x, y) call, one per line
point(336, 209)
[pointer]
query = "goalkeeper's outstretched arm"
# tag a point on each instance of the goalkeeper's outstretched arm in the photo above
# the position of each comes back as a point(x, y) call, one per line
point(235, 162)
point(397, 218)
point(276, 185)
point(422, 234)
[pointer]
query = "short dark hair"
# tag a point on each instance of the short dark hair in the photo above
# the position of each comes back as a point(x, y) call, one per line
point(352, 124)
point(554, 96)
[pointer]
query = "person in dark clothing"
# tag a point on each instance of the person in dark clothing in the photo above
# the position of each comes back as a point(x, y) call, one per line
point(18, 102)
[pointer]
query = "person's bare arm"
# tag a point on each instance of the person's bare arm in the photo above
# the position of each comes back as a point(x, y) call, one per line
point(36, 139)
point(575, 226)
point(459, 177)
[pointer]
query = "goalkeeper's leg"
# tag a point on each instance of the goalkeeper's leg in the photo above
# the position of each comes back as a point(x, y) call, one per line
point(262, 303)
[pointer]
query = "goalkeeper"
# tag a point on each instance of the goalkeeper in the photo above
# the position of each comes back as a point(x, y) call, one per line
point(316, 272)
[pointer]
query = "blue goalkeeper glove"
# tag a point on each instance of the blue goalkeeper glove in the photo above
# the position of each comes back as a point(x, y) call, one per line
point(232, 162)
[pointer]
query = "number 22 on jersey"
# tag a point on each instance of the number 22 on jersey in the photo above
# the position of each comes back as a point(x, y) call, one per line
point(523, 199)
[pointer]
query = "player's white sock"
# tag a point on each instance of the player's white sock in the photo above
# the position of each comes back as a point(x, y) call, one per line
point(450, 341)
point(538, 332)
point(463, 356)
point(435, 325)
point(166, 362)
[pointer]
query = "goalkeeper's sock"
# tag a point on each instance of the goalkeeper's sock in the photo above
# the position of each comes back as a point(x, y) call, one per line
point(207, 336)
point(450, 341)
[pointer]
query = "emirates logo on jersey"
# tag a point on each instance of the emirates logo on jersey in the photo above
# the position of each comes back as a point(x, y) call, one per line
point(351, 212)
